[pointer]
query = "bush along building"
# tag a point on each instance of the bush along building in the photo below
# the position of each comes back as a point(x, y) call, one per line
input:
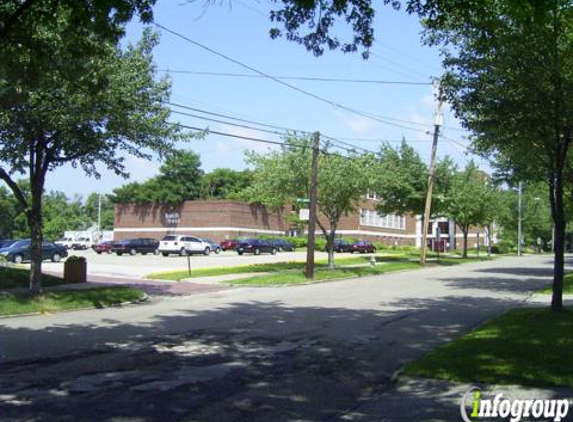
point(225, 219)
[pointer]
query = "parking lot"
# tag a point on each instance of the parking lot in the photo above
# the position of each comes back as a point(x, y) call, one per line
point(138, 266)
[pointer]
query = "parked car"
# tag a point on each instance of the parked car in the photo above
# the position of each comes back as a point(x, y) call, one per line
point(19, 251)
point(142, 245)
point(82, 244)
point(339, 246)
point(255, 246)
point(282, 245)
point(229, 244)
point(215, 247)
point(362, 246)
point(7, 242)
point(103, 247)
point(183, 245)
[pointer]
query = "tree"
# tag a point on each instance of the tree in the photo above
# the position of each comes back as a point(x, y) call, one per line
point(71, 96)
point(510, 82)
point(402, 181)
point(180, 178)
point(280, 177)
point(224, 183)
point(470, 201)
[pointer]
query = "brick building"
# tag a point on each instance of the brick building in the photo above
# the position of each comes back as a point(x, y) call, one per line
point(223, 219)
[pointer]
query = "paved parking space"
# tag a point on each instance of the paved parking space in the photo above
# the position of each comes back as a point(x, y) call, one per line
point(139, 266)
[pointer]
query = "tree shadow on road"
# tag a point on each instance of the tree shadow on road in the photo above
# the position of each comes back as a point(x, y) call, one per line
point(244, 361)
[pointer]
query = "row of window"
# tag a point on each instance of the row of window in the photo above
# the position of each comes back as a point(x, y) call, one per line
point(389, 221)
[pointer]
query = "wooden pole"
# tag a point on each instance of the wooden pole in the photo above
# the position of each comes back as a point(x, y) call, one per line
point(312, 208)
point(431, 176)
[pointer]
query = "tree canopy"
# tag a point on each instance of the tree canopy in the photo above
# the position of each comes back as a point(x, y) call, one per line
point(70, 95)
point(280, 177)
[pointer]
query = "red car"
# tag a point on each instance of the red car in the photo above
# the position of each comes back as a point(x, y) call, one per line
point(229, 244)
point(362, 246)
point(103, 247)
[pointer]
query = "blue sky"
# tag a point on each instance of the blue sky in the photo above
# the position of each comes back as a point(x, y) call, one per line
point(241, 32)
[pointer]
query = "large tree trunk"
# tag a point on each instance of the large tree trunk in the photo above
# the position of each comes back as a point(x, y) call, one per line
point(557, 208)
point(36, 235)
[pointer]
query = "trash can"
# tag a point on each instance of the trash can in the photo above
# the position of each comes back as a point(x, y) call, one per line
point(75, 270)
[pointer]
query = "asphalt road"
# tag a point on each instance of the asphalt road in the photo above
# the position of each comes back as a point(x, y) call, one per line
point(309, 353)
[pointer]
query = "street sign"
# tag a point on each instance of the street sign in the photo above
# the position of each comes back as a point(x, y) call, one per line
point(303, 200)
point(304, 214)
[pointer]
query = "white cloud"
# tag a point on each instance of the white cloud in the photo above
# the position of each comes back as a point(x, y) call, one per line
point(357, 124)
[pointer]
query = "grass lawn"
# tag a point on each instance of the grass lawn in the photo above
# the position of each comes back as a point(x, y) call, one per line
point(323, 274)
point(300, 265)
point(531, 347)
point(14, 304)
point(567, 286)
point(11, 278)
point(270, 267)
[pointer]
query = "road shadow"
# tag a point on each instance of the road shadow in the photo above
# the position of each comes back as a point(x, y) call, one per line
point(245, 361)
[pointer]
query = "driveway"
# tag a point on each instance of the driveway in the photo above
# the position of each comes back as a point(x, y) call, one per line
point(308, 353)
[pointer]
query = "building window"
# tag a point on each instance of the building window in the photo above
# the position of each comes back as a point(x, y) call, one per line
point(372, 195)
point(389, 221)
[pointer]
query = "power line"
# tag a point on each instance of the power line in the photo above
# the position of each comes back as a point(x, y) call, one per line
point(297, 78)
point(288, 85)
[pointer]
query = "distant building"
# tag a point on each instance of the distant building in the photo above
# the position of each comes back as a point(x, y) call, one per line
point(224, 219)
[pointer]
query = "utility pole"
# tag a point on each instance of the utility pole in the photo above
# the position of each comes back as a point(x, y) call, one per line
point(519, 217)
point(432, 171)
point(312, 208)
point(99, 215)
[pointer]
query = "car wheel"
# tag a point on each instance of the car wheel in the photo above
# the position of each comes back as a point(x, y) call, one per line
point(240, 253)
point(155, 252)
point(164, 253)
point(280, 249)
point(132, 252)
point(374, 250)
point(257, 251)
point(99, 252)
point(109, 252)
point(143, 253)
point(207, 251)
point(119, 253)
point(218, 250)
point(182, 252)
point(18, 259)
point(56, 257)
point(273, 251)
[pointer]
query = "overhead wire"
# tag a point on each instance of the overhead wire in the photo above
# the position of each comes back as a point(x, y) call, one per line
point(297, 78)
point(288, 85)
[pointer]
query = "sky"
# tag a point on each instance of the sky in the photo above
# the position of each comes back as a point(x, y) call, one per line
point(239, 29)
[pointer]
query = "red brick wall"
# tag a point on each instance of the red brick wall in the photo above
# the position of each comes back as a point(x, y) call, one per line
point(195, 214)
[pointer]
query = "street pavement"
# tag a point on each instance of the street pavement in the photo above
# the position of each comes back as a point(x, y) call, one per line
point(322, 352)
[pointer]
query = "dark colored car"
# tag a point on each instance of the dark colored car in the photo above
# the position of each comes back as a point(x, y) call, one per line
point(362, 246)
point(142, 245)
point(229, 244)
point(7, 242)
point(215, 247)
point(20, 251)
point(340, 246)
point(282, 245)
point(103, 247)
point(255, 246)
